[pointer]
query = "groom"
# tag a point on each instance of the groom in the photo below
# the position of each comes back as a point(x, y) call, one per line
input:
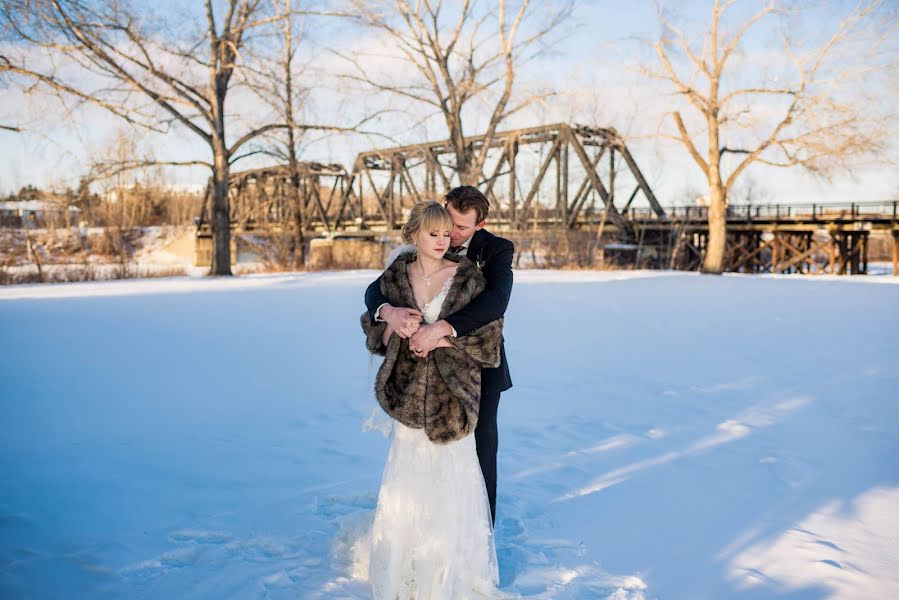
point(468, 208)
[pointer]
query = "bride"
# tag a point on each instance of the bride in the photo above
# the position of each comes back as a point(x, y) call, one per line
point(432, 537)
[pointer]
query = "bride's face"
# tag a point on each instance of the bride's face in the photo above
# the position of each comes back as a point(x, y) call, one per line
point(432, 242)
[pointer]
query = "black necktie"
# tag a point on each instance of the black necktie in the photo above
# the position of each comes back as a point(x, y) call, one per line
point(456, 249)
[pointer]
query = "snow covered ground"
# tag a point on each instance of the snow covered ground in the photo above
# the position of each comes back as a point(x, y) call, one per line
point(669, 435)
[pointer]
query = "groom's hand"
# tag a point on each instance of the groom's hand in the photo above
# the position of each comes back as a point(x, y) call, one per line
point(403, 321)
point(428, 336)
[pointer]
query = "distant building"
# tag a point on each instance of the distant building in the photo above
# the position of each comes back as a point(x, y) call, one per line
point(36, 213)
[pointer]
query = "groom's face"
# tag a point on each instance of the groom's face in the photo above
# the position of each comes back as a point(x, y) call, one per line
point(464, 224)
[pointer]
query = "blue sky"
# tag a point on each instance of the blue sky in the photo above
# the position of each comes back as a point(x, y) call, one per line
point(592, 65)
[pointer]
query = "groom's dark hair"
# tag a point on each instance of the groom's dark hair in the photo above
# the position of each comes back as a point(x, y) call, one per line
point(466, 197)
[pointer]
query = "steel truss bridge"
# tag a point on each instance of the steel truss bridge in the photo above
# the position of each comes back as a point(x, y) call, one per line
point(555, 177)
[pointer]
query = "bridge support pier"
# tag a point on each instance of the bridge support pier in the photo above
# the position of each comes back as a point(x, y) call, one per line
point(842, 252)
point(203, 250)
point(895, 251)
point(852, 252)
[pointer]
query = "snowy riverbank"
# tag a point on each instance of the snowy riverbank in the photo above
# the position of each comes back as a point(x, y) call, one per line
point(669, 435)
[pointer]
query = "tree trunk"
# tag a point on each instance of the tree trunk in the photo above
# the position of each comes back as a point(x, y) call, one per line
point(468, 178)
point(468, 174)
point(714, 252)
point(465, 170)
point(299, 214)
point(221, 212)
point(299, 199)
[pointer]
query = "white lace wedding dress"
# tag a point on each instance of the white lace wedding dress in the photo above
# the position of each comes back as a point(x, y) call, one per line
point(431, 538)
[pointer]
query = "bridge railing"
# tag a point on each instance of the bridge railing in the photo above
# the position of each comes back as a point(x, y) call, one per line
point(853, 210)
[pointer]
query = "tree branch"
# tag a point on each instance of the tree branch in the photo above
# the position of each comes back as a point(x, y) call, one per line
point(688, 143)
point(105, 170)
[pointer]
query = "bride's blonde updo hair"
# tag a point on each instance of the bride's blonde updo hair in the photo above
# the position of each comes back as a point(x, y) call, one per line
point(427, 215)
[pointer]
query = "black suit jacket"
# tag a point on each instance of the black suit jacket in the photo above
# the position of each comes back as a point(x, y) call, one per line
point(494, 254)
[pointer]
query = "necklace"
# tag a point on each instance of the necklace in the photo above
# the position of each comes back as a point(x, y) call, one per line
point(427, 280)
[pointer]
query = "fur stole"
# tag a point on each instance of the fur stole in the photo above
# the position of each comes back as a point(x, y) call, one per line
point(440, 394)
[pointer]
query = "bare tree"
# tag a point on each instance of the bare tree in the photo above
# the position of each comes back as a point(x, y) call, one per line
point(279, 88)
point(148, 72)
point(456, 58)
point(290, 94)
point(816, 110)
point(284, 89)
